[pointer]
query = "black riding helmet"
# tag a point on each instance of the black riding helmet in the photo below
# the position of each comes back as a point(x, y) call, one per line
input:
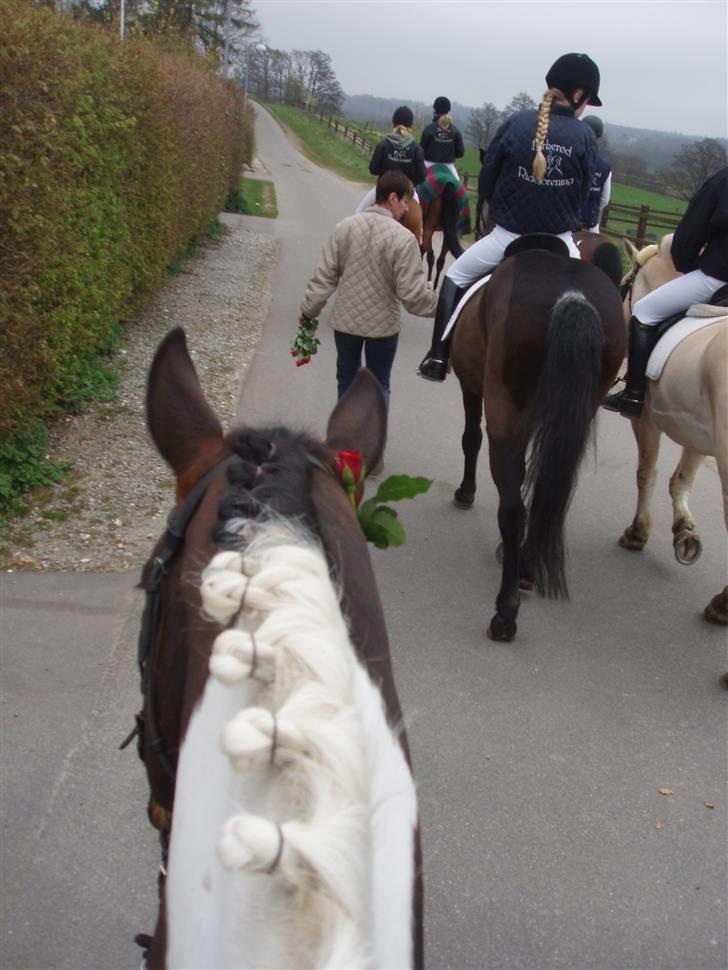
point(571, 71)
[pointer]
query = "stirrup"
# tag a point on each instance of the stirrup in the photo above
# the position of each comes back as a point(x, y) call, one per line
point(433, 369)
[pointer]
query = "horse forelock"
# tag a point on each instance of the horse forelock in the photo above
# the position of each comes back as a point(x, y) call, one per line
point(269, 476)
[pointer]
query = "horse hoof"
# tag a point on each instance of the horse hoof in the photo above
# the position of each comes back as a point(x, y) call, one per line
point(630, 540)
point(462, 501)
point(526, 584)
point(717, 610)
point(687, 546)
point(499, 551)
point(500, 630)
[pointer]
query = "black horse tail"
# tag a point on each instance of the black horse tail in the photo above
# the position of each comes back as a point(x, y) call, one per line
point(563, 413)
point(607, 257)
point(449, 221)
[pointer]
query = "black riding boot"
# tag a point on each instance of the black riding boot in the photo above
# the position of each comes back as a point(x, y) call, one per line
point(434, 366)
point(629, 401)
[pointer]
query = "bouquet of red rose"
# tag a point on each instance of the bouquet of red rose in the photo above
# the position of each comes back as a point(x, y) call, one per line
point(305, 343)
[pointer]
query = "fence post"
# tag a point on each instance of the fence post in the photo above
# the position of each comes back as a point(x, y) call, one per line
point(642, 224)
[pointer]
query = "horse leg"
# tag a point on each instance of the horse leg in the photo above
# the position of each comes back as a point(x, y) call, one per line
point(686, 541)
point(440, 263)
point(717, 610)
point(471, 441)
point(647, 435)
point(507, 465)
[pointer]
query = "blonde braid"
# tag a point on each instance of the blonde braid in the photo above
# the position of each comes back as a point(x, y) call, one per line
point(402, 129)
point(444, 122)
point(542, 128)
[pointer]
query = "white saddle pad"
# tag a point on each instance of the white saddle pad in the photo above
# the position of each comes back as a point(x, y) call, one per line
point(698, 316)
point(463, 300)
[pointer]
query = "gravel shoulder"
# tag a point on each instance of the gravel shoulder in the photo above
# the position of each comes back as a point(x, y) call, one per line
point(114, 500)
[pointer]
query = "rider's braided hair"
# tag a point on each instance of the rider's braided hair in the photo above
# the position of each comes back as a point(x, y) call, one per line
point(542, 129)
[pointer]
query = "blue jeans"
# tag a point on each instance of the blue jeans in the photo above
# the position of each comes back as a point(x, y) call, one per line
point(378, 353)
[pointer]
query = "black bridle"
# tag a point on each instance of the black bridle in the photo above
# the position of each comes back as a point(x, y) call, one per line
point(154, 573)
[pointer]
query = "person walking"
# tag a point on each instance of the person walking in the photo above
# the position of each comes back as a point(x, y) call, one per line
point(374, 264)
point(700, 252)
point(536, 177)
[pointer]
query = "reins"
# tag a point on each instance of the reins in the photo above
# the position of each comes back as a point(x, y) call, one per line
point(155, 572)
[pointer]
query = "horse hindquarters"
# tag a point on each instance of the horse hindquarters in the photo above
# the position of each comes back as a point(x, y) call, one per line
point(562, 419)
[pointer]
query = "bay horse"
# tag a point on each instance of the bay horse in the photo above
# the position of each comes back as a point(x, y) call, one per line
point(688, 403)
point(271, 729)
point(534, 349)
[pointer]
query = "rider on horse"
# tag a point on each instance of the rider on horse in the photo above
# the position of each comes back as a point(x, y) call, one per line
point(700, 251)
point(441, 141)
point(526, 194)
point(601, 187)
point(397, 151)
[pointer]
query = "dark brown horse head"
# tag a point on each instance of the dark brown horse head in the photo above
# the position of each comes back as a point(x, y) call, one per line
point(241, 500)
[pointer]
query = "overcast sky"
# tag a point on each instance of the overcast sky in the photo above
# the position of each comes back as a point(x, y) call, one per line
point(663, 64)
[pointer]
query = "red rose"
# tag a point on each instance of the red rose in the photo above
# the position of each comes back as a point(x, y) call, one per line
point(349, 466)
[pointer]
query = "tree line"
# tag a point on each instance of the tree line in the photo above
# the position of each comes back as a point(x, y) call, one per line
point(229, 30)
point(690, 166)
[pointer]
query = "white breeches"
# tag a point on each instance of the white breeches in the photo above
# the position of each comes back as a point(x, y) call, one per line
point(450, 165)
point(484, 255)
point(677, 295)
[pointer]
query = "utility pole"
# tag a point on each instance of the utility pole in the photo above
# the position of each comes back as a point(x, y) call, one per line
point(122, 11)
point(226, 45)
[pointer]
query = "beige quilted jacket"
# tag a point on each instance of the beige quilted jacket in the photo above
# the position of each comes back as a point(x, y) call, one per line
point(375, 263)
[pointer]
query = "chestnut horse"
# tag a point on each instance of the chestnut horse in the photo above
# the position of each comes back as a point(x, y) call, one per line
point(440, 215)
point(534, 349)
point(271, 729)
point(688, 403)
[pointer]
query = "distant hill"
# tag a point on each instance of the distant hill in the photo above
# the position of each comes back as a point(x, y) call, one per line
point(655, 148)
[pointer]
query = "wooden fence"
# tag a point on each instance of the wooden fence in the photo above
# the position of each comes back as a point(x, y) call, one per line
point(642, 224)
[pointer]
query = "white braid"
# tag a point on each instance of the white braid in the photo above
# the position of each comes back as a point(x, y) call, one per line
point(315, 765)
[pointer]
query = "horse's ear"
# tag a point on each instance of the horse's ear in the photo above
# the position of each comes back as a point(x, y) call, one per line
point(631, 250)
point(182, 424)
point(359, 420)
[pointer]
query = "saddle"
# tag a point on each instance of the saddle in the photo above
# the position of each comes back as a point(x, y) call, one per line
point(537, 240)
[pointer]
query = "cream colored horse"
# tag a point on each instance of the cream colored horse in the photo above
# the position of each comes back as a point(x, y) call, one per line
point(689, 403)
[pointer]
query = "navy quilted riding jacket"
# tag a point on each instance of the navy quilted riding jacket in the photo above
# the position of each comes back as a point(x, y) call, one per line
point(517, 201)
point(442, 145)
point(701, 238)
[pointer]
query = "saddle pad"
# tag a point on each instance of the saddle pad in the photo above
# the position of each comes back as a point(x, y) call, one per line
point(463, 300)
point(674, 336)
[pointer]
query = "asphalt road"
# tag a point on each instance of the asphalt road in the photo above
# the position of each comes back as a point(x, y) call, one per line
point(539, 764)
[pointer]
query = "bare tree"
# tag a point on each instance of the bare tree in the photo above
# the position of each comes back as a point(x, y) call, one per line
point(483, 124)
point(519, 102)
point(695, 163)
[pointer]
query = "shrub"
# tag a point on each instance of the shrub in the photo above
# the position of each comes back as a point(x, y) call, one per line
point(112, 160)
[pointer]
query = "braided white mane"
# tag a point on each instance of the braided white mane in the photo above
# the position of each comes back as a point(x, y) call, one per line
point(294, 808)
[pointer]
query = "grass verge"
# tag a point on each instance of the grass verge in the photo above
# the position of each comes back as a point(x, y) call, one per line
point(322, 145)
point(257, 197)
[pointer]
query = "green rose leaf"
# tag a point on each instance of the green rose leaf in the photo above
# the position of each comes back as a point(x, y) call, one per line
point(381, 526)
point(397, 487)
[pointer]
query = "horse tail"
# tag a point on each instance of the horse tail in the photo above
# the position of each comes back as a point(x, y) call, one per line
point(608, 259)
point(449, 221)
point(563, 414)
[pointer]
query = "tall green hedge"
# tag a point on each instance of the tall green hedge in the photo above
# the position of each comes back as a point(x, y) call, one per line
point(113, 158)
